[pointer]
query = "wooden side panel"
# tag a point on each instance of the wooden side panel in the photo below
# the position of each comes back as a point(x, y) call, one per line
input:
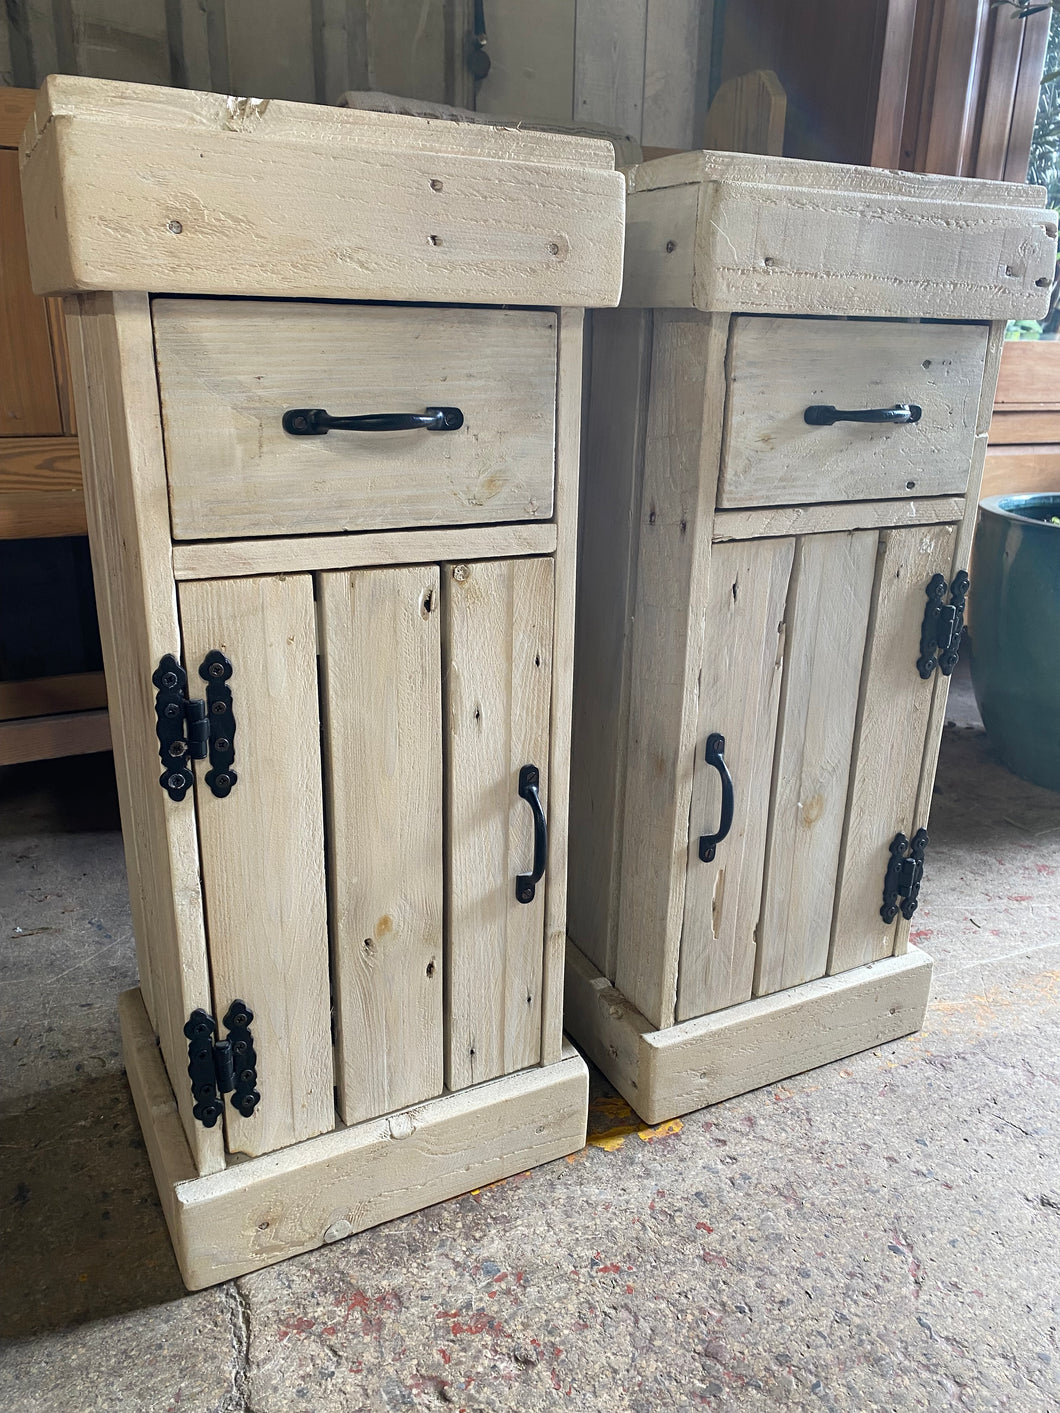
point(29, 402)
point(380, 655)
point(827, 616)
point(497, 664)
point(888, 739)
point(263, 850)
point(609, 49)
point(682, 443)
point(743, 659)
point(607, 576)
point(113, 369)
point(531, 51)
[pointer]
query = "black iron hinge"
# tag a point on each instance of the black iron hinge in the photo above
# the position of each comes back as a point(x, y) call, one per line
point(905, 870)
point(190, 729)
point(943, 626)
point(217, 1067)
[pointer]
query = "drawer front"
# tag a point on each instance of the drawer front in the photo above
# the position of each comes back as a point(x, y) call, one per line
point(229, 369)
point(779, 367)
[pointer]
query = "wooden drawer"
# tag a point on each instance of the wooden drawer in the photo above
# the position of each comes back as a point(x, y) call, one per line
point(229, 369)
point(779, 367)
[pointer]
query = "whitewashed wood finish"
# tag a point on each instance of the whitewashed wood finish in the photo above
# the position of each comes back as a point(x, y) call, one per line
point(276, 198)
point(827, 617)
point(497, 665)
point(779, 520)
point(671, 60)
point(266, 1209)
point(682, 441)
point(568, 460)
point(889, 740)
point(781, 236)
point(607, 555)
point(263, 850)
point(609, 49)
point(381, 659)
point(779, 367)
point(234, 471)
point(293, 554)
point(961, 558)
point(112, 371)
point(663, 1073)
point(740, 677)
point(531, 50)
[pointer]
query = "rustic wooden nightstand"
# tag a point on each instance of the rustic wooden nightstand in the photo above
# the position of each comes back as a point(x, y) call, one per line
point(786, 434)
point(334, 550)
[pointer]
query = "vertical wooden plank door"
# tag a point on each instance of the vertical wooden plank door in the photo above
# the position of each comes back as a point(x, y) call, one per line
point(380, 644)
point(497, 665)
point(262, 849)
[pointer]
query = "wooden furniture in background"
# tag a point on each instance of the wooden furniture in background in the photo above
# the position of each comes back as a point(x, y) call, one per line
point(752, 592)
point(40, 467)
point(1024, 451)
point(399, 665)
point(747, 114)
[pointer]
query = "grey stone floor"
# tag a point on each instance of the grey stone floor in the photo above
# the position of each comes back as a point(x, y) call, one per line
point(881, 1234)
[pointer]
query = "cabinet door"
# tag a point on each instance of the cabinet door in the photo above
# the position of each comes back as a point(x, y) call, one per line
point(497, 669)
point(262, 850)
point(743, 660)
point(889, 739)
point(380, 646)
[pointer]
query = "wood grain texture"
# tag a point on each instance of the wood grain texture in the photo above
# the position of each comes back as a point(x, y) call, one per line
point(568, 463)
point(29, 402)
point(827, 616)
point(41, 493)
point(781, 236)
point(609, 50)
point(889, 737)
point(497, 366)
point(1024, 428)
point(682, 443)
point(382, 697)
point(262, 850)
point(779, 367)
point(268, 1209)
point(75, 733)
point(671, 54)
point(16, 109)
point(1012, 470)
point(294, 554)
point(740, 677)
point(772, 521)
point(39, 696)
point(288, 200)
point(1029, 377)
point(747, 114)
point(113, 369)
point(663, 1073)
point(612, 470)
point(497, 664)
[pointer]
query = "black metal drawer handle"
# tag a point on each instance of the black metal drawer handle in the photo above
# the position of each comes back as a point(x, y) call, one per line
point(901, 412)
point(715, 756)
point(315, 422)
point(525, 883)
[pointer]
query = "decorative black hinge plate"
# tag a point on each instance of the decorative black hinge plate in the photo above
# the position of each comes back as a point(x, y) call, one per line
point(190, 729)
point(218, 1067)
point(905, 870)
point(943, 626)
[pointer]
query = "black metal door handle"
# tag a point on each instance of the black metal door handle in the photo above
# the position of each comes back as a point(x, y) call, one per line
point(315, 422)
point(716, 757)
point(525, 883)
point(901, 412)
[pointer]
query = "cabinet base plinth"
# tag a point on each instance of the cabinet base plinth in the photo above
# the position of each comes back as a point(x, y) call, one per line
point(262, 1210)
point(663, 1073)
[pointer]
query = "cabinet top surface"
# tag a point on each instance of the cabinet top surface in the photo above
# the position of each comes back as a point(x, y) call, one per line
point(725, 231)
point(132, 186)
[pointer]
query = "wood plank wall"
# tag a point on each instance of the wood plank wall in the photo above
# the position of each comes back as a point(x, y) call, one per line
point(634, 66)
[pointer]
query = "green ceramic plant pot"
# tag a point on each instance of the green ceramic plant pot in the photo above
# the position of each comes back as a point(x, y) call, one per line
point(1014, 610)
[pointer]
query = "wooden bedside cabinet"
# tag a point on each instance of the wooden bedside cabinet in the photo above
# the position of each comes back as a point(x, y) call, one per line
point(786, 433)
point(334, 544)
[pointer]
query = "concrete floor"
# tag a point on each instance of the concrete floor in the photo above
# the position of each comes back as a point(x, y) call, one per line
point(881, 1234)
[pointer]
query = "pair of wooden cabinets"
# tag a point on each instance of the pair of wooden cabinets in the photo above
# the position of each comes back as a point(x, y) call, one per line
point(786, 434)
